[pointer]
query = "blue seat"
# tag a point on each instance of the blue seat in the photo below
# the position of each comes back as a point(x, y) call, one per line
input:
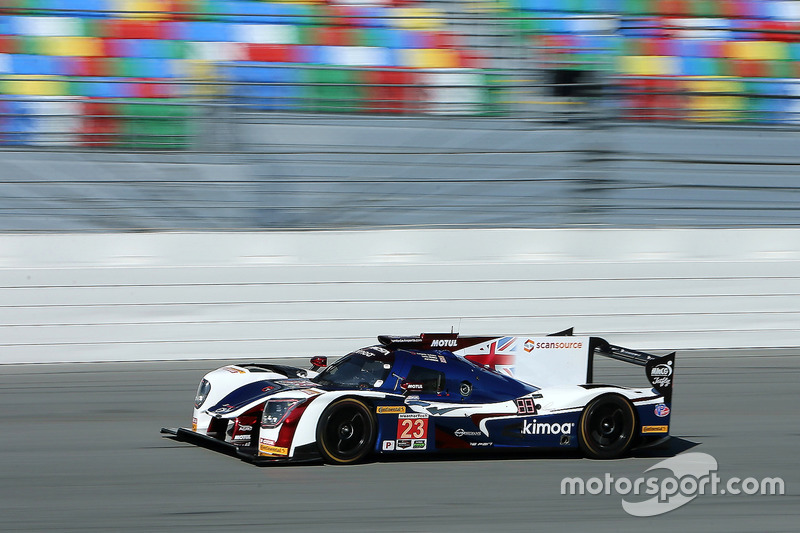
point(87, 8)
point(267, 86)
point(16, 122)
point(209, 31)
point(33, 65)
point(6, 25)
point(95, 87)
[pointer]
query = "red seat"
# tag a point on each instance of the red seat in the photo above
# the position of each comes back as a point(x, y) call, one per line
point(99, 126)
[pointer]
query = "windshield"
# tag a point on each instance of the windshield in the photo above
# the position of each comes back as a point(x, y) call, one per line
point(356, 371)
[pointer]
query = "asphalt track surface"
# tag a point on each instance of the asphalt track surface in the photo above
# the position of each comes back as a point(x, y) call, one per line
point(81, 451)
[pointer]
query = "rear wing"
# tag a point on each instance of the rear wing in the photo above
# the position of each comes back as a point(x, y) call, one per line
point(659, 370)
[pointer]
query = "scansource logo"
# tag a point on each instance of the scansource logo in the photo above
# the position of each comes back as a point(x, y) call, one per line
point(692, 474)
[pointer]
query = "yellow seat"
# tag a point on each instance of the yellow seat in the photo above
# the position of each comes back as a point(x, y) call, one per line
point(416, 18)
point(141, 9)
point(758, 50)
point(34, 85)
point(71, 46)
point(649, 65)
point(428, 58)
point(725, 107)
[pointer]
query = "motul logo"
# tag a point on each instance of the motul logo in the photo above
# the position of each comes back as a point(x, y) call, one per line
point(440, 343)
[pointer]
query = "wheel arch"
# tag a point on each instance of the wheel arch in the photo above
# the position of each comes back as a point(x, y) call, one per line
point(306, 432)
point(357, 435)
point(582, 433)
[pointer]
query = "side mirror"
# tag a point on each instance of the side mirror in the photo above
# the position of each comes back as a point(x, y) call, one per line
point(319, 362)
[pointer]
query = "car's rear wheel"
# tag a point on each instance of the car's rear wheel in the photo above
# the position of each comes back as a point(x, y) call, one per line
point(606, 428)
point(346, 431)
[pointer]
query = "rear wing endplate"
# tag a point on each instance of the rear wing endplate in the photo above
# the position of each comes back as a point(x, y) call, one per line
point(660, 370)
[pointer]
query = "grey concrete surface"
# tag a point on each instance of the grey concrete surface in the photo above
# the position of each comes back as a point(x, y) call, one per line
point(80, 451)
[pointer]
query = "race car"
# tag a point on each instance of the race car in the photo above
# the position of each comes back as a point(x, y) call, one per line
point(434, 392)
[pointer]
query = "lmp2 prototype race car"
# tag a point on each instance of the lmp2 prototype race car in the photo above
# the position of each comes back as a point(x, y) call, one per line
point(433, 392)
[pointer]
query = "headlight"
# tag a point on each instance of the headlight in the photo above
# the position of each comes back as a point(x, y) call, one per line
point(202, 393)
point(275, 411)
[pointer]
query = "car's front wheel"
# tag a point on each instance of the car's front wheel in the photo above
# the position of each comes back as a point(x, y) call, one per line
point(606, 428)
point(346, 431)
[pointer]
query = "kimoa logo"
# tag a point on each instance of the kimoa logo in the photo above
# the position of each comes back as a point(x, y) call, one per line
point(436, 343)
point(532, 427)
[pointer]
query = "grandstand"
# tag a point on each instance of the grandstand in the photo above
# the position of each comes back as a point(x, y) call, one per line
point(136, 73)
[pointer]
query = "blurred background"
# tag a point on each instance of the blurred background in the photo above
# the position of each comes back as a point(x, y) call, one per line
point(192, 178)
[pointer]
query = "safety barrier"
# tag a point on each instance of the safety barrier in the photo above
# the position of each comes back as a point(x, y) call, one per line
point(335, 171)
point(240, 296)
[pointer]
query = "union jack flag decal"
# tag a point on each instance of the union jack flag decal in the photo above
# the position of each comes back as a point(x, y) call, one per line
point(505, 343)
point(500, 357)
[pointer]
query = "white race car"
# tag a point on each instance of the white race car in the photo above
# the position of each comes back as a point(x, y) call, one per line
point(433, 392)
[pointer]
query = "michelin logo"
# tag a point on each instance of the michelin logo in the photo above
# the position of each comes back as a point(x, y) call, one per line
point(532, 427)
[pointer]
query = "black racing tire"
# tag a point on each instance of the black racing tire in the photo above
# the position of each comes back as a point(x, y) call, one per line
point(607, 427)
point(346, 432)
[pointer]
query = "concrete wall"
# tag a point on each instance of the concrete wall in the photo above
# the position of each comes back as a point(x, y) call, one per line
point(128, 296)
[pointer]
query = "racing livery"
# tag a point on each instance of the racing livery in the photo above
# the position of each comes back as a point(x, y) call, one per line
point(434, 392)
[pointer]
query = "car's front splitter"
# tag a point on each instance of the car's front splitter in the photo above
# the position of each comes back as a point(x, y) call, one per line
point(303, 454)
